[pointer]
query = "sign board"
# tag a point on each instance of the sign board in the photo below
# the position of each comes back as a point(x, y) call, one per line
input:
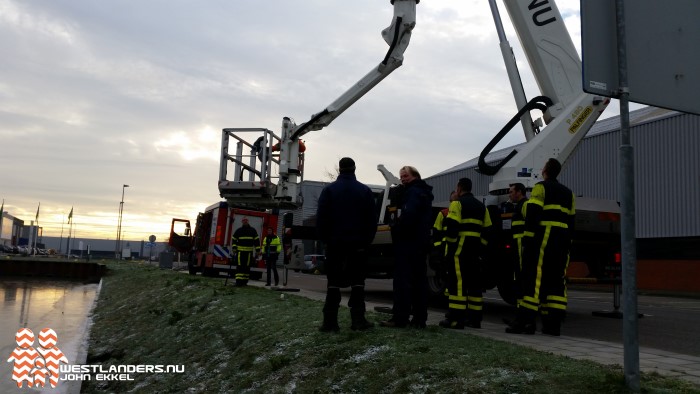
point(662, 57)
point(150, 244)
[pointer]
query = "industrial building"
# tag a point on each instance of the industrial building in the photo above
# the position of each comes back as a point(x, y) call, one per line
point(667, 177)
point(667, 181)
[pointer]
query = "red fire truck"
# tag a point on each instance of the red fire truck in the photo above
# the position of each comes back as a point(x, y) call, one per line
point(209, 247)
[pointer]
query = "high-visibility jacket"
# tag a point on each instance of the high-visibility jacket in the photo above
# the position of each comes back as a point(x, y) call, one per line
point(517, 226)
point(465, 235)
point(245, 239)
point(549, 224)
point(271, 245)
point(467, 217)
point(439, 228)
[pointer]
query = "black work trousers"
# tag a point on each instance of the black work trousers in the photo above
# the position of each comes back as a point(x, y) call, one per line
point(464, 280)
point(410, 282)
point(545, 259)
point(345, 266)
point(244, 259)
point(271, 265)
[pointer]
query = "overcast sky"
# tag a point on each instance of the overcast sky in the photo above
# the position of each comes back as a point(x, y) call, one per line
point(98, 94)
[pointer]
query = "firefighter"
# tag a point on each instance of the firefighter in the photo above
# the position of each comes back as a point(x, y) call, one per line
point(466, 225)
point(437, 254)
point(271, 250)
point(549, 221)
point(517, 197)
point(246, 246)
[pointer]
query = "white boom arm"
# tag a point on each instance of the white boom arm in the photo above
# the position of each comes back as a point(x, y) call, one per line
point(259, 190)
point(397, 36)
point(391, 180)
point(568, 111)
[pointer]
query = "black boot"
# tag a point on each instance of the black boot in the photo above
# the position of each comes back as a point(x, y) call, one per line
point(454, 319)
point(551, 323)
point(524, 323)
point(330, 321)
point(359, 322)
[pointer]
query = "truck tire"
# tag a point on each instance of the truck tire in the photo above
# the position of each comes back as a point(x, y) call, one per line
point(508, 292)
point(436, 286)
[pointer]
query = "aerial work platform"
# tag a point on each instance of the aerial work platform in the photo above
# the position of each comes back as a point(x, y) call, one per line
point(257, 165)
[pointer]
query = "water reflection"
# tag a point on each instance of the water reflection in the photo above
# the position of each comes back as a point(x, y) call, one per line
point(36, 304)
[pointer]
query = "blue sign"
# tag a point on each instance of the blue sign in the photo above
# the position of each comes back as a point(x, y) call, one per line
point(150, 244)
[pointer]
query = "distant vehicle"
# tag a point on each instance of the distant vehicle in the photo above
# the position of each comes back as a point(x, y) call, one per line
point(314, 264)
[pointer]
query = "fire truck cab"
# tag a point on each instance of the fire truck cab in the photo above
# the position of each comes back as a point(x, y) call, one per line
point(209, 247)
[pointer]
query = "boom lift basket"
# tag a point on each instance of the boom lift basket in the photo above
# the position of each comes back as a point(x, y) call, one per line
point(256, 169)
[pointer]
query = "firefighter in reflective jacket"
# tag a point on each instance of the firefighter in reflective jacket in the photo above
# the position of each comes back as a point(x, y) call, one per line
point(437, 255)
point(466, 224)
point(246, 246)
point(517, 196)
point(549, 221)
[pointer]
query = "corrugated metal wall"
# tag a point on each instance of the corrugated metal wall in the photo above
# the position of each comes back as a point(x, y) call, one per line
point(667, 171)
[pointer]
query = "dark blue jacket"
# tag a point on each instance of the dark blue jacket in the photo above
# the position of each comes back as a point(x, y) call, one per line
point(346, 213)
point(416, 218)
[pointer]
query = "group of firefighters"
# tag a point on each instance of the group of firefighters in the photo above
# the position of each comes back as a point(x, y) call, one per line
point(541, 229)
point(541, 226)
point(245, 245)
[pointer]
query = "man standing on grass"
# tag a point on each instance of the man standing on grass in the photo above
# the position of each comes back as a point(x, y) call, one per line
point(346, 222)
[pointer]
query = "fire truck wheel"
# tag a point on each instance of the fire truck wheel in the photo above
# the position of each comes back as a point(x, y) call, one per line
point(507, 291)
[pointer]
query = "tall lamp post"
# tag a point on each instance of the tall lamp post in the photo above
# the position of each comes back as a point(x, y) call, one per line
point(118, 246)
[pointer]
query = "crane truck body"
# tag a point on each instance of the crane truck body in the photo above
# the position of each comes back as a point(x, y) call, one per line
point(563, 112)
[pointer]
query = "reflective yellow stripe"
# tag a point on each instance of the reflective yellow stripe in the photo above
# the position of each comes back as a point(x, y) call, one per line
point(457, 306)
point(535, 201)
point(553, 224)
point(469, 234)
point(557, 298)
point(557, 207)
point(458, 298)
point(473, 221)
point(458, 270)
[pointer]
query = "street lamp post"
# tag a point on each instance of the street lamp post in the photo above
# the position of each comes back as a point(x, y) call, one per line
point(118, 246)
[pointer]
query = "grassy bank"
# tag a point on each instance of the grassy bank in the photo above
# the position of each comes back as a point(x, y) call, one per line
point(250, 340)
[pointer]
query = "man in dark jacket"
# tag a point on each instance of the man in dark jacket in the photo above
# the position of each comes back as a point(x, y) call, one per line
point(346, 222)
point(411, 239)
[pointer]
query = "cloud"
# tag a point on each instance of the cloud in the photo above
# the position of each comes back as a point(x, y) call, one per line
point(94, 95)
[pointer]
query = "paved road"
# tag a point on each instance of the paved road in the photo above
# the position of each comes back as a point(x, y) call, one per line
point(669, 323)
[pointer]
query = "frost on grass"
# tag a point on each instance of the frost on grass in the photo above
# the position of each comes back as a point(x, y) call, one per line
point(367, 355)
point(280, 349)
point(498, 376)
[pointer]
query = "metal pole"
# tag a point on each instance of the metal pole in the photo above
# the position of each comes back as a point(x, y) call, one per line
point(629, 246)
point(118, 246)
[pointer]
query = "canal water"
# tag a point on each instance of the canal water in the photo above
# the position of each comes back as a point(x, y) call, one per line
point(63, 306)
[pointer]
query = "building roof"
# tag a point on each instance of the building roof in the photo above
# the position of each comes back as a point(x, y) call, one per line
point(640, 116)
